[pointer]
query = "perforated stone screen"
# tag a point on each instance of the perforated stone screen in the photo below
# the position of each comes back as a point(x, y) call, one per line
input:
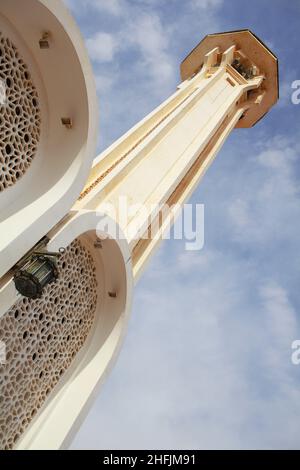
point(42, 338)
point(20, 117)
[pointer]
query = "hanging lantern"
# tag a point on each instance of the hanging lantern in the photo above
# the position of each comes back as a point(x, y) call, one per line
point(37, 272)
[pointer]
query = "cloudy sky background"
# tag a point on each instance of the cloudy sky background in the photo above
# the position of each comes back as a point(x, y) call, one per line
point(207, 359)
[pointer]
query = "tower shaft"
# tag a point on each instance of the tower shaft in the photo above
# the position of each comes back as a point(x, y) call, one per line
point(161, 160)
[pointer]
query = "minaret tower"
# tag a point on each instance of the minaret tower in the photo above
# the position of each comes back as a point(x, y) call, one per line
point(68, 263)
point(228, 81)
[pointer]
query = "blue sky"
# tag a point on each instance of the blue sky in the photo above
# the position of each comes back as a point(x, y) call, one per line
point(207, 359)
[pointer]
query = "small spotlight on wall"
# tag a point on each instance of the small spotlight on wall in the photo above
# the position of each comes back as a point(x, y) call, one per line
point(44, 41)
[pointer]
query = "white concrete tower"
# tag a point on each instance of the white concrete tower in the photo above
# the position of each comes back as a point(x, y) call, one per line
point(66, 274)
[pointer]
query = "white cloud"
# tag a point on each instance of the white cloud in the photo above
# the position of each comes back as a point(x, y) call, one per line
point(148, 36)
point(240, 213)
point(272, 168)
point(104, 83)
point(102, 47)
point(112, 7)
point(206, 4)
point(280, 313)
point(285, 86)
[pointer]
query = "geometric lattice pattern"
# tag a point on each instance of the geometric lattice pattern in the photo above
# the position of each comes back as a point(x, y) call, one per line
point(42, 338)
point(20, 117)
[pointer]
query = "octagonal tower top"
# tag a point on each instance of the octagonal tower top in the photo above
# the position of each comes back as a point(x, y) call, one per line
point(251, 57)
